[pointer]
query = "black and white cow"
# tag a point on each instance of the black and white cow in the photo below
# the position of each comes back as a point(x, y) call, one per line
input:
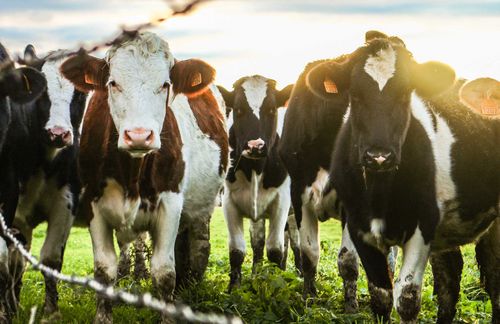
point(20, 85)
point(42, 145)
point(412, 169)
point(310, 129)
point(257, 185)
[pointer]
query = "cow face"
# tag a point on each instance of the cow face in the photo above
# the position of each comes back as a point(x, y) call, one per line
point(60, 108)
point(483, 96)
point(254, 102)
point(20, 85)
point(380, 79)
point(137, 76)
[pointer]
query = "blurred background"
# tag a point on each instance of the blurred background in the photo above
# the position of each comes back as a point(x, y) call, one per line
point(275, 38)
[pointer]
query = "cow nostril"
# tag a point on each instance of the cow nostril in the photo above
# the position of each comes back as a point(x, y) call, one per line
point(378, 157)
point(127, 138)
point(149, 138)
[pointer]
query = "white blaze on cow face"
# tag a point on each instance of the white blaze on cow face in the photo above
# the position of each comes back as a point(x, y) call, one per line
point(255, 92)
point(60, 92)
point(139, 84)
point(382, 66)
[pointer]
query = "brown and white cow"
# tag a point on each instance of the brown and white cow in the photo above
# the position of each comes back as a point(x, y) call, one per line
point(154, 146)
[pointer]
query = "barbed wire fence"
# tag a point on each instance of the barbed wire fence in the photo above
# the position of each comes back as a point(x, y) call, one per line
point(126, 33)
point(176, 311)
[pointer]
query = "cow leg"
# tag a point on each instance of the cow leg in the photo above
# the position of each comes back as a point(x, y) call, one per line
point(257, 239)
point(140, 249)
point(163, 234)
point(447, 270)
point(4, 281)
point(293, 234)
point(275, 243)
point(408, 287)
point(348, 269)
point(17, 265)
point(488, 256)
point(309, 248)
point(182, 270)
point(199, 245)
point(124, 262)
point(59, 225)
point(391, 259)
point(105, 263)
point(237, 247)
point(378, 274)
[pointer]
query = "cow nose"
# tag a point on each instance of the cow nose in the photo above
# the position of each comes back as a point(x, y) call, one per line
point(379, 159)
point(256, 147)
point(138, 138)
point(60, 136)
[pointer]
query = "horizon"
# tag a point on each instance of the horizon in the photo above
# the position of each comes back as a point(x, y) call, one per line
point(273, 38)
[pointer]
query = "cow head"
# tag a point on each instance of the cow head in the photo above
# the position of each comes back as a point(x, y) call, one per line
point(254, 102)
point(483, 96)
point(138, 76)
point(20, 85)
point(380, 79)
point(60, 108)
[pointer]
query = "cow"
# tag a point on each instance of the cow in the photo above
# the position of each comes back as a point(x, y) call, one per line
point(153, 157)
point(42, 145)
point(310, 128)
point(415, 168)
point(257, 185)
point(19, 85)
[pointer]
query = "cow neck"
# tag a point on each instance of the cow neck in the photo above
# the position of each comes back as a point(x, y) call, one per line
point(210, 120)
point(378, 191)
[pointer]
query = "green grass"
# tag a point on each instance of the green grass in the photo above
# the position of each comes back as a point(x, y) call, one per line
point(271, 295)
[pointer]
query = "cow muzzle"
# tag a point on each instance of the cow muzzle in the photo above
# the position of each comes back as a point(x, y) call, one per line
point(256, 149)
point(60, 137)
point(379, 160)
point(139, 141)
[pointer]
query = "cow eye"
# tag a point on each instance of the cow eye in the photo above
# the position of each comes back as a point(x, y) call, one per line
point(112, 83)
point(165, 85)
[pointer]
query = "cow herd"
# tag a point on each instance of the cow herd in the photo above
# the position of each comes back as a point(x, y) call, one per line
point(139, 141)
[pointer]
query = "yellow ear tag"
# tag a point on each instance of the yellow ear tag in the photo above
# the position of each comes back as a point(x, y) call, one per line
point(330, 86)
point(88, 79)
point(490, 107)
point(196, 80)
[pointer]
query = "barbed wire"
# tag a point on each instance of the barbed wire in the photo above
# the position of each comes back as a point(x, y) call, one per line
point(126, 33)
point(177, 311)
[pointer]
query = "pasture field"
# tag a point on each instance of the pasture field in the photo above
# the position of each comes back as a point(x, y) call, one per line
point(269, 296)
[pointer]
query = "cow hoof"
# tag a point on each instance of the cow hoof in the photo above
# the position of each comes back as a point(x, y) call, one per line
point(167, 320)
point(309, 290)
point(54, 317)
point(409, 304)
point(233, 285)
point(103, 318)
point(50, 309)
point(275, 256)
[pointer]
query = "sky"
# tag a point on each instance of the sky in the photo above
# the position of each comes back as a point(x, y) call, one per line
point(274, 38)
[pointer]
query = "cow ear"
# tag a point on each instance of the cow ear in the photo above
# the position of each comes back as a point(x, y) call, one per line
point(328, 80)
point(30, 54)
point(483, 96)
point(284, 95)
point(191, 77)
point(86, 72)
point(228, 96)
point(23, 84)
point(373, 34)
point(432, 78)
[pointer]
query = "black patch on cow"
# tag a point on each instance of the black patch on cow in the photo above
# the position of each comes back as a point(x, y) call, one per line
point(310, 129)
